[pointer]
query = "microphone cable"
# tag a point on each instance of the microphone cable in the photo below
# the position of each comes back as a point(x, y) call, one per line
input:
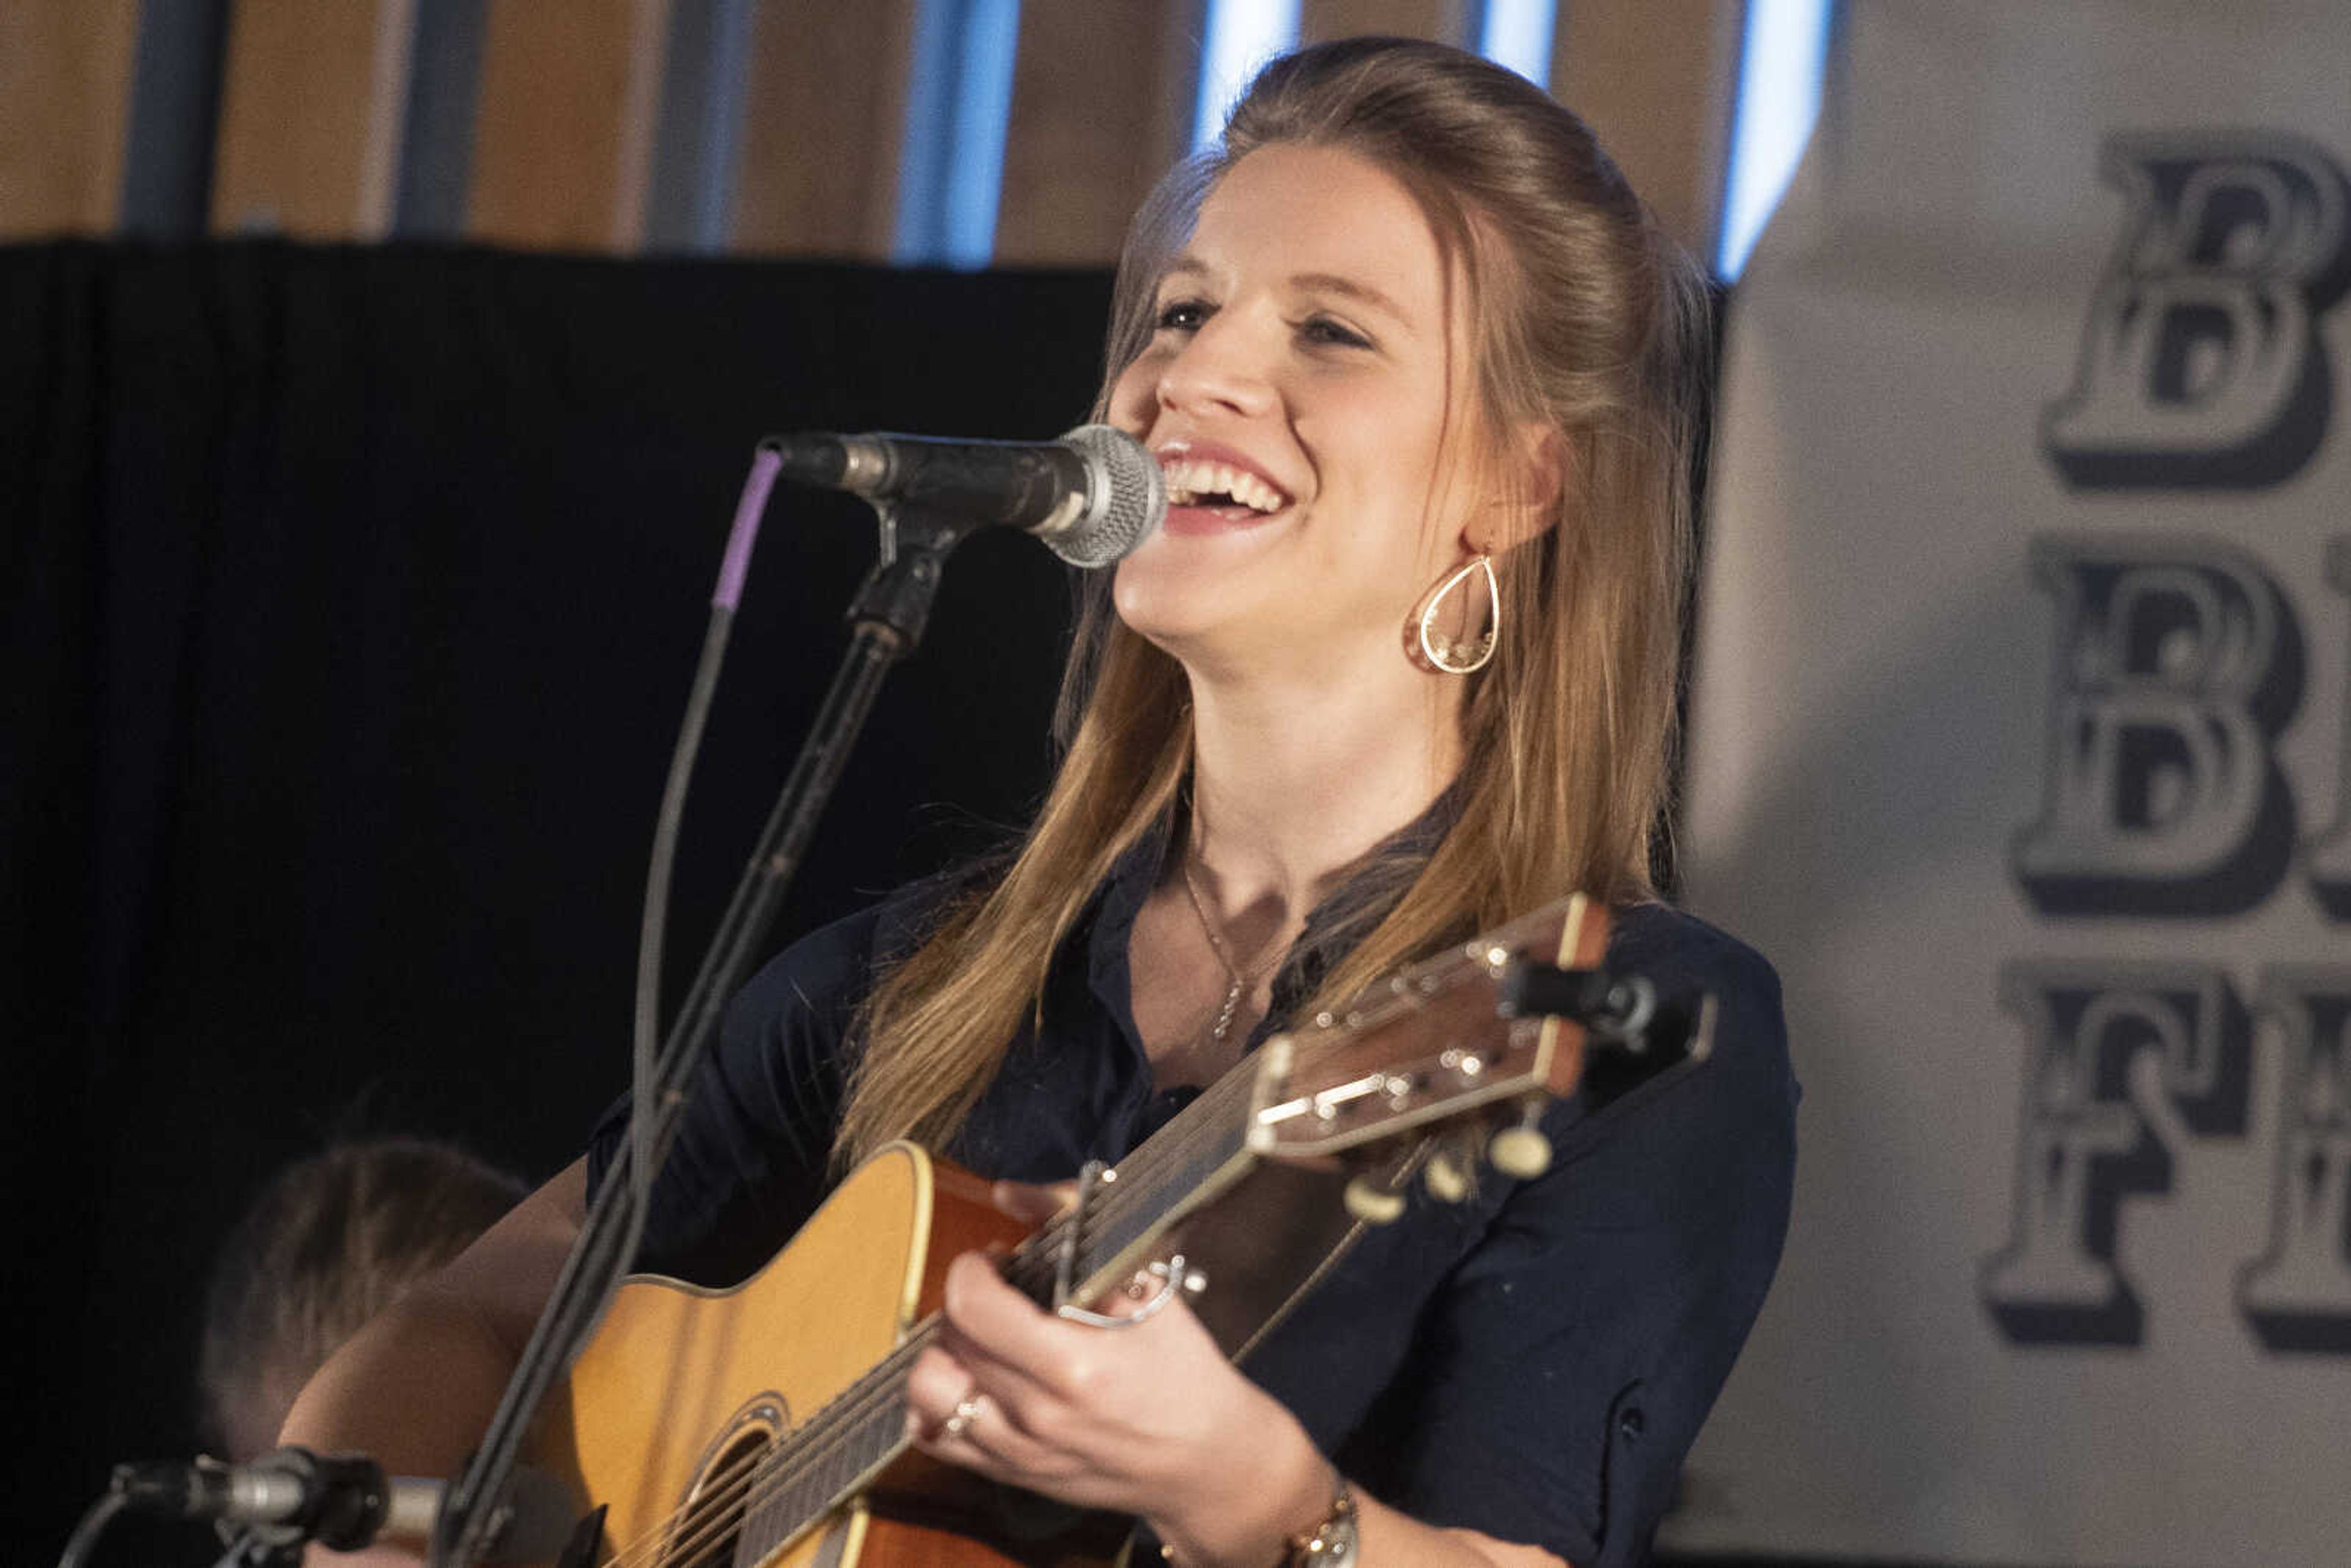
point(94, 1520)
point(588, 1276)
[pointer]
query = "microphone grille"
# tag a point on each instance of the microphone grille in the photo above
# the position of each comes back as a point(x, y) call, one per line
point(1130, 498)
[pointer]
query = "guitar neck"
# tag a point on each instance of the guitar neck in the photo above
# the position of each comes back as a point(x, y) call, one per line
point(1131, 1204)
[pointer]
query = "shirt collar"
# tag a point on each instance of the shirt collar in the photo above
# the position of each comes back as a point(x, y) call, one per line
point(1381, 876)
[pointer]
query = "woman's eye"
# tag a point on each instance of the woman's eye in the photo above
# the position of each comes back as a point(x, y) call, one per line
point(1181, 316)
point(1322, 330)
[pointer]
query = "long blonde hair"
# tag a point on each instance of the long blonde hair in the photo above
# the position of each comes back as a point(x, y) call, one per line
point(1586, 317)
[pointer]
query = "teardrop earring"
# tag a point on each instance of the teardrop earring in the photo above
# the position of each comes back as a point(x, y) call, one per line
point(1436, 650)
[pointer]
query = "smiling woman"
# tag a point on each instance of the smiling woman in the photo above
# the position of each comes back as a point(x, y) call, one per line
point(1302, 368)
point(1421, 371)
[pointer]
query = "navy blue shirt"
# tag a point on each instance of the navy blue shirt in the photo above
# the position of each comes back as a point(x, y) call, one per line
point(1532, 1363)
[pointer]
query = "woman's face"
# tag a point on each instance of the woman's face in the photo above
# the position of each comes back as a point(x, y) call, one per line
point(1303, 390)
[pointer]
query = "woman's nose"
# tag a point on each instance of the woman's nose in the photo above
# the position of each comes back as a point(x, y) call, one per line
point(1221, 367)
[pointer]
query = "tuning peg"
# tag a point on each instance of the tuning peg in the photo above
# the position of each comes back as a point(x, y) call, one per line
point(1447, 1182)
point(1372, 1202)
point(1522, 1153)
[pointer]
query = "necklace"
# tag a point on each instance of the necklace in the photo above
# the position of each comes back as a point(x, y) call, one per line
point(1241, 980)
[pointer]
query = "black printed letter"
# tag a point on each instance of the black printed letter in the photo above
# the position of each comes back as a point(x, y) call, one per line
point(2089, 1140)
point(2298, 1295)
point(2178, 661)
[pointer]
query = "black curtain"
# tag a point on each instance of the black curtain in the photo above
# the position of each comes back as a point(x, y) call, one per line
point(351, 597)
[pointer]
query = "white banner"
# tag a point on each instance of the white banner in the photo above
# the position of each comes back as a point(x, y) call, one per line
point(2019, 745)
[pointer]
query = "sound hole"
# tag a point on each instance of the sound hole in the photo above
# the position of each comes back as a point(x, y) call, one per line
point(711, 1522)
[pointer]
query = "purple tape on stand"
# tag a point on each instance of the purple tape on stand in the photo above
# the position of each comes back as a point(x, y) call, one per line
point(747, 513)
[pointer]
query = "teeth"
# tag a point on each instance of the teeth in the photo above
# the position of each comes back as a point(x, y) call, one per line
point(1189, 481)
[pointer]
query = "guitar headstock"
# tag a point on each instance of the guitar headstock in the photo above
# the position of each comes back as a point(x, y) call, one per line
point(1427, 1045)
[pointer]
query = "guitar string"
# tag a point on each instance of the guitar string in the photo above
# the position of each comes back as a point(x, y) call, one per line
point(793, 1461)
point(788, 1467)
point(849, 1419)
point(846, 1418)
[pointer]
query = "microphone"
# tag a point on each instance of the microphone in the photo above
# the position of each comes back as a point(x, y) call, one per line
point(1093, 495)
point(343, 1501)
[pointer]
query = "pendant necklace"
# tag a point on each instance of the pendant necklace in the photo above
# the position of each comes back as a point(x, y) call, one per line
point(1240, 981)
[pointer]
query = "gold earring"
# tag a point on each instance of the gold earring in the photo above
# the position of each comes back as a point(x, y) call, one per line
point(1441, 653)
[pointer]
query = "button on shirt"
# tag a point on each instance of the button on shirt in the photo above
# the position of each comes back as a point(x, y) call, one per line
point(1534, 1362)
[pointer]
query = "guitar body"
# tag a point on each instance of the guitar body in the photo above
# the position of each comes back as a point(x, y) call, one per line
point(763, 1426)
point(683, 1388)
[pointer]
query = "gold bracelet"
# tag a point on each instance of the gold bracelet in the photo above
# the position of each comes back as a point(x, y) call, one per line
point(1332, 1542)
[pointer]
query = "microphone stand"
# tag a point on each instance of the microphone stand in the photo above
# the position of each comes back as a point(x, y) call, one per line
point(887, 617)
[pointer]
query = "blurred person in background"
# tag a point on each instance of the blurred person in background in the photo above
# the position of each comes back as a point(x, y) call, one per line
point(329, 1243)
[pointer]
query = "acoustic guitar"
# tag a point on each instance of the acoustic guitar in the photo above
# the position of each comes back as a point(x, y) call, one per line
point(765, 1424)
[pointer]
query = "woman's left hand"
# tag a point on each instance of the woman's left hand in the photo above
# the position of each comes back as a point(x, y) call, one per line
point(1148, 1418)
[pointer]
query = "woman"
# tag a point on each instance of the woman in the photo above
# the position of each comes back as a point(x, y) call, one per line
point(1421, 371)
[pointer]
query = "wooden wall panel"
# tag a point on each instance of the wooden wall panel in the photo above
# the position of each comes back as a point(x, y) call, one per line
point(641, 98)
point(1444, 20)
point(564, 128)
point(1655, 79)
point(1100, 109)
point(569, 95)
point(66, 70)
point(825, 122)
point(307, 137)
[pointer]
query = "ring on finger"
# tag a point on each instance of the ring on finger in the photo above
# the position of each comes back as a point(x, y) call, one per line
point(959, 1421)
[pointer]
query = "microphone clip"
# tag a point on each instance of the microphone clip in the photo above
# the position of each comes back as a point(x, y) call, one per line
point(289, 1495)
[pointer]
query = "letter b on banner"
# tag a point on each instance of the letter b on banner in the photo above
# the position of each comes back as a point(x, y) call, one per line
point(2202, 365)
point(2176, 664)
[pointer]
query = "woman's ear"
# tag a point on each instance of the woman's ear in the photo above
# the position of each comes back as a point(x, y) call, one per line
point(1527, 501)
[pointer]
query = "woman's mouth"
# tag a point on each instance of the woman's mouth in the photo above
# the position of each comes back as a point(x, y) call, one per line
point(1208, 496)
